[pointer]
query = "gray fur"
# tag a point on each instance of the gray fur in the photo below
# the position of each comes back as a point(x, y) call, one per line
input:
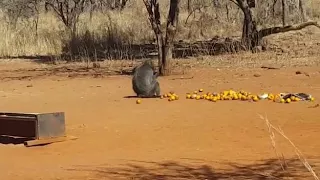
point(144, 80)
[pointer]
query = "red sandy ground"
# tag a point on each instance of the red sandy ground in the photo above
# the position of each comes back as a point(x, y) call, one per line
point(157, 139)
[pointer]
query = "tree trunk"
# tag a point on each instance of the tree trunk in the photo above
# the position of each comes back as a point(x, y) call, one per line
point(161, 54)
point(249, 30)
point(123, 4)
point(165, 44)
point(116, 4)
point(302, 9)
point(273, 8)
point(172, 22)
point(284, 12)
point(189, 6)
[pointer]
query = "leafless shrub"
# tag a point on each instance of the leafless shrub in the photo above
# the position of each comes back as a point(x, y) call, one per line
point(23, 10)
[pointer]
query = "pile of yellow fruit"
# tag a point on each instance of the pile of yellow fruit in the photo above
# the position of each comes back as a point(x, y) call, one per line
point(224, 95)
point(239, 95)
point(171, 96)
point(231, 95)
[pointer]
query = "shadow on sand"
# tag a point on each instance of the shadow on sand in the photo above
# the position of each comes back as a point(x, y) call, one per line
point(129, 97)
point(261, 170)
point(13, 140)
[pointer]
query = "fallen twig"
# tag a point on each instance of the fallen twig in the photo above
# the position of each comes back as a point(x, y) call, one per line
point(182, 78)
point(269, 67)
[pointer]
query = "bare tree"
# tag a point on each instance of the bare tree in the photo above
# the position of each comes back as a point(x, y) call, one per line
point(120, 4)
point(109, 4)
point(68, 11)
point(251, 36)
point(164, 40)
point(15, 10)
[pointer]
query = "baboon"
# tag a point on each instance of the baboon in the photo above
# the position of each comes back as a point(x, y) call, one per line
point(144, 80)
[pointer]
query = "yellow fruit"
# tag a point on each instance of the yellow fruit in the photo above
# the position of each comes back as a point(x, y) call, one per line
point(282, 100)
point(200, 90)
point(214, 99)
point(138, 101)
point(176, 97)
point(208, 97)
point(235, 97)
point(293, 98)
point(224, 93)
point(255, 98)
point(312, 99)
point(172, 98)
point(193, 96)
point(198, 97)
point(270, 96)
point(243, 98)
point(188, 96)
point(288, 100)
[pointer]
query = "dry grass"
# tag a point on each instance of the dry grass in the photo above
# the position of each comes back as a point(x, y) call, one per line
point(271, 129)
point(130, 26)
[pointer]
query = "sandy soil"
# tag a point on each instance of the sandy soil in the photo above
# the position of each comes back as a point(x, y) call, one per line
point(157, 139)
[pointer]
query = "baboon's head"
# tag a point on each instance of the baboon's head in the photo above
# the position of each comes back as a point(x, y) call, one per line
point(149, 63)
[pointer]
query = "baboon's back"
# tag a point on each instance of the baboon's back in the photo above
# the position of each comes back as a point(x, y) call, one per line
point(143, 80)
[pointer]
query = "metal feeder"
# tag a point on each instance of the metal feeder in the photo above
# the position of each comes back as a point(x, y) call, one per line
point(40, 128)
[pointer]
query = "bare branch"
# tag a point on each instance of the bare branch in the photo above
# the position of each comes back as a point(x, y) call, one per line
point(235, 2)
point(275, 30)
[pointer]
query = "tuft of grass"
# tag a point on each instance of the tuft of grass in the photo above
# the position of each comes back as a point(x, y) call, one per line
point(272, 129)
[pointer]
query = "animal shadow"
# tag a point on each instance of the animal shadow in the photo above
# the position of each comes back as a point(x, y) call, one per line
point(129, 97)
